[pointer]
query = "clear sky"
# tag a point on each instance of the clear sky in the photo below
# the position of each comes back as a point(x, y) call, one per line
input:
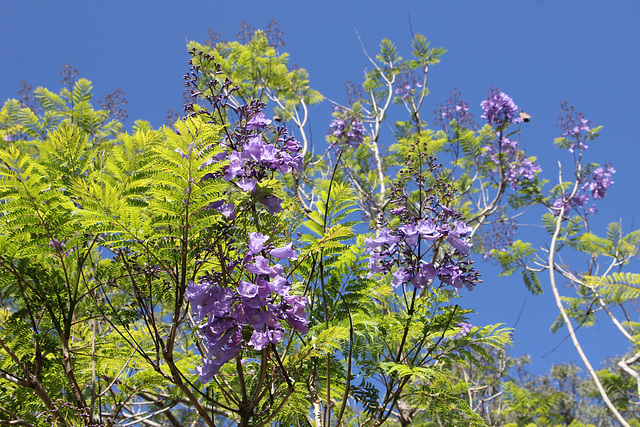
point(539, 52)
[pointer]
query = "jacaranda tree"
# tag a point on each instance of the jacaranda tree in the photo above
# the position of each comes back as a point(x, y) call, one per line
point(226, 269)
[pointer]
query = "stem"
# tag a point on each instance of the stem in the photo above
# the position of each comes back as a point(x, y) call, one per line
point(567, 321)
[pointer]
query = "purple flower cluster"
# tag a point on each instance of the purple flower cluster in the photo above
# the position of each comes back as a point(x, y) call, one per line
point(408, 82)
point(454, 109)
point(576, 130)
point(598, 182)
point(401, 252)
point(500, 110)
point(260, 302)
point(251, 157)
point(346, 128)
point(465, 328)
point(406, 90)
point(521, 170)
point(456, 112)
point(576, 201)
point(517, 168)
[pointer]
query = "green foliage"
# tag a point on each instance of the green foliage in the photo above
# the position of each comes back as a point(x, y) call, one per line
point(261, 73)
point(102, 232)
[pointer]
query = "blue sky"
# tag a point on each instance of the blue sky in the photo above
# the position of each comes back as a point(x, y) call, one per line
point(539, 52)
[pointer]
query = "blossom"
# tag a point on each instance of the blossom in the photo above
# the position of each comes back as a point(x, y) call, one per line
point(226, 209)
point(601, 181)
point(291, 145)
point(284, 252)
point(410, 233)
point(400, 276)
point(211, 367)
point(258, 121)
point(465, 328)
point(272, 203)
point(401, 248)
point(261, 339)
point(454, 109)
point(294, 312)
point(406, 90)
point(460, 229)
point(458, 244)
point(576, 130)
point(247, 184)
point(576, 201)
point(520, 171)
point(425, 274)
point(499, 109)
point(256, 242)
point(262, 305)
point(247, 290)
point(384, 238)
point(346, 128)
point(428, 229)
point(374, 267)
point(260, 265)
point(235, 167)
point(280, 285)
point(257, 150)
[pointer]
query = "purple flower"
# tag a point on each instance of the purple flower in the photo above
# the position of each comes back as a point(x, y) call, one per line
point(258, 121)
point(465, 328)
point(294, 312)
point(259, 151)
point(235, 167)
point(261, 339)
point(280, 285)
point(448, 274)
point(374, 267)
point(406, 90)
point(400, 276)
point(601, 181)
point(208, 299)
point(247, 184)
point(272, 203)
point(247, 290)
point(226, 209)
point(346, 128)
point(520, 171)
point(452, 275)
point(196, 293)
point(384, 238)
point(576, 130)
point(231, 349)
point(292, 146)
point(261, 319)
point(410, 234)
point(428, 230)
point(459, 245)
point(460, 229)
point(260, 265)
point(264, 287)
point(426, 273)
point(455, 109)
point(256, 242)
point(284, 252)
point(499, 109)
point(576, 201)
